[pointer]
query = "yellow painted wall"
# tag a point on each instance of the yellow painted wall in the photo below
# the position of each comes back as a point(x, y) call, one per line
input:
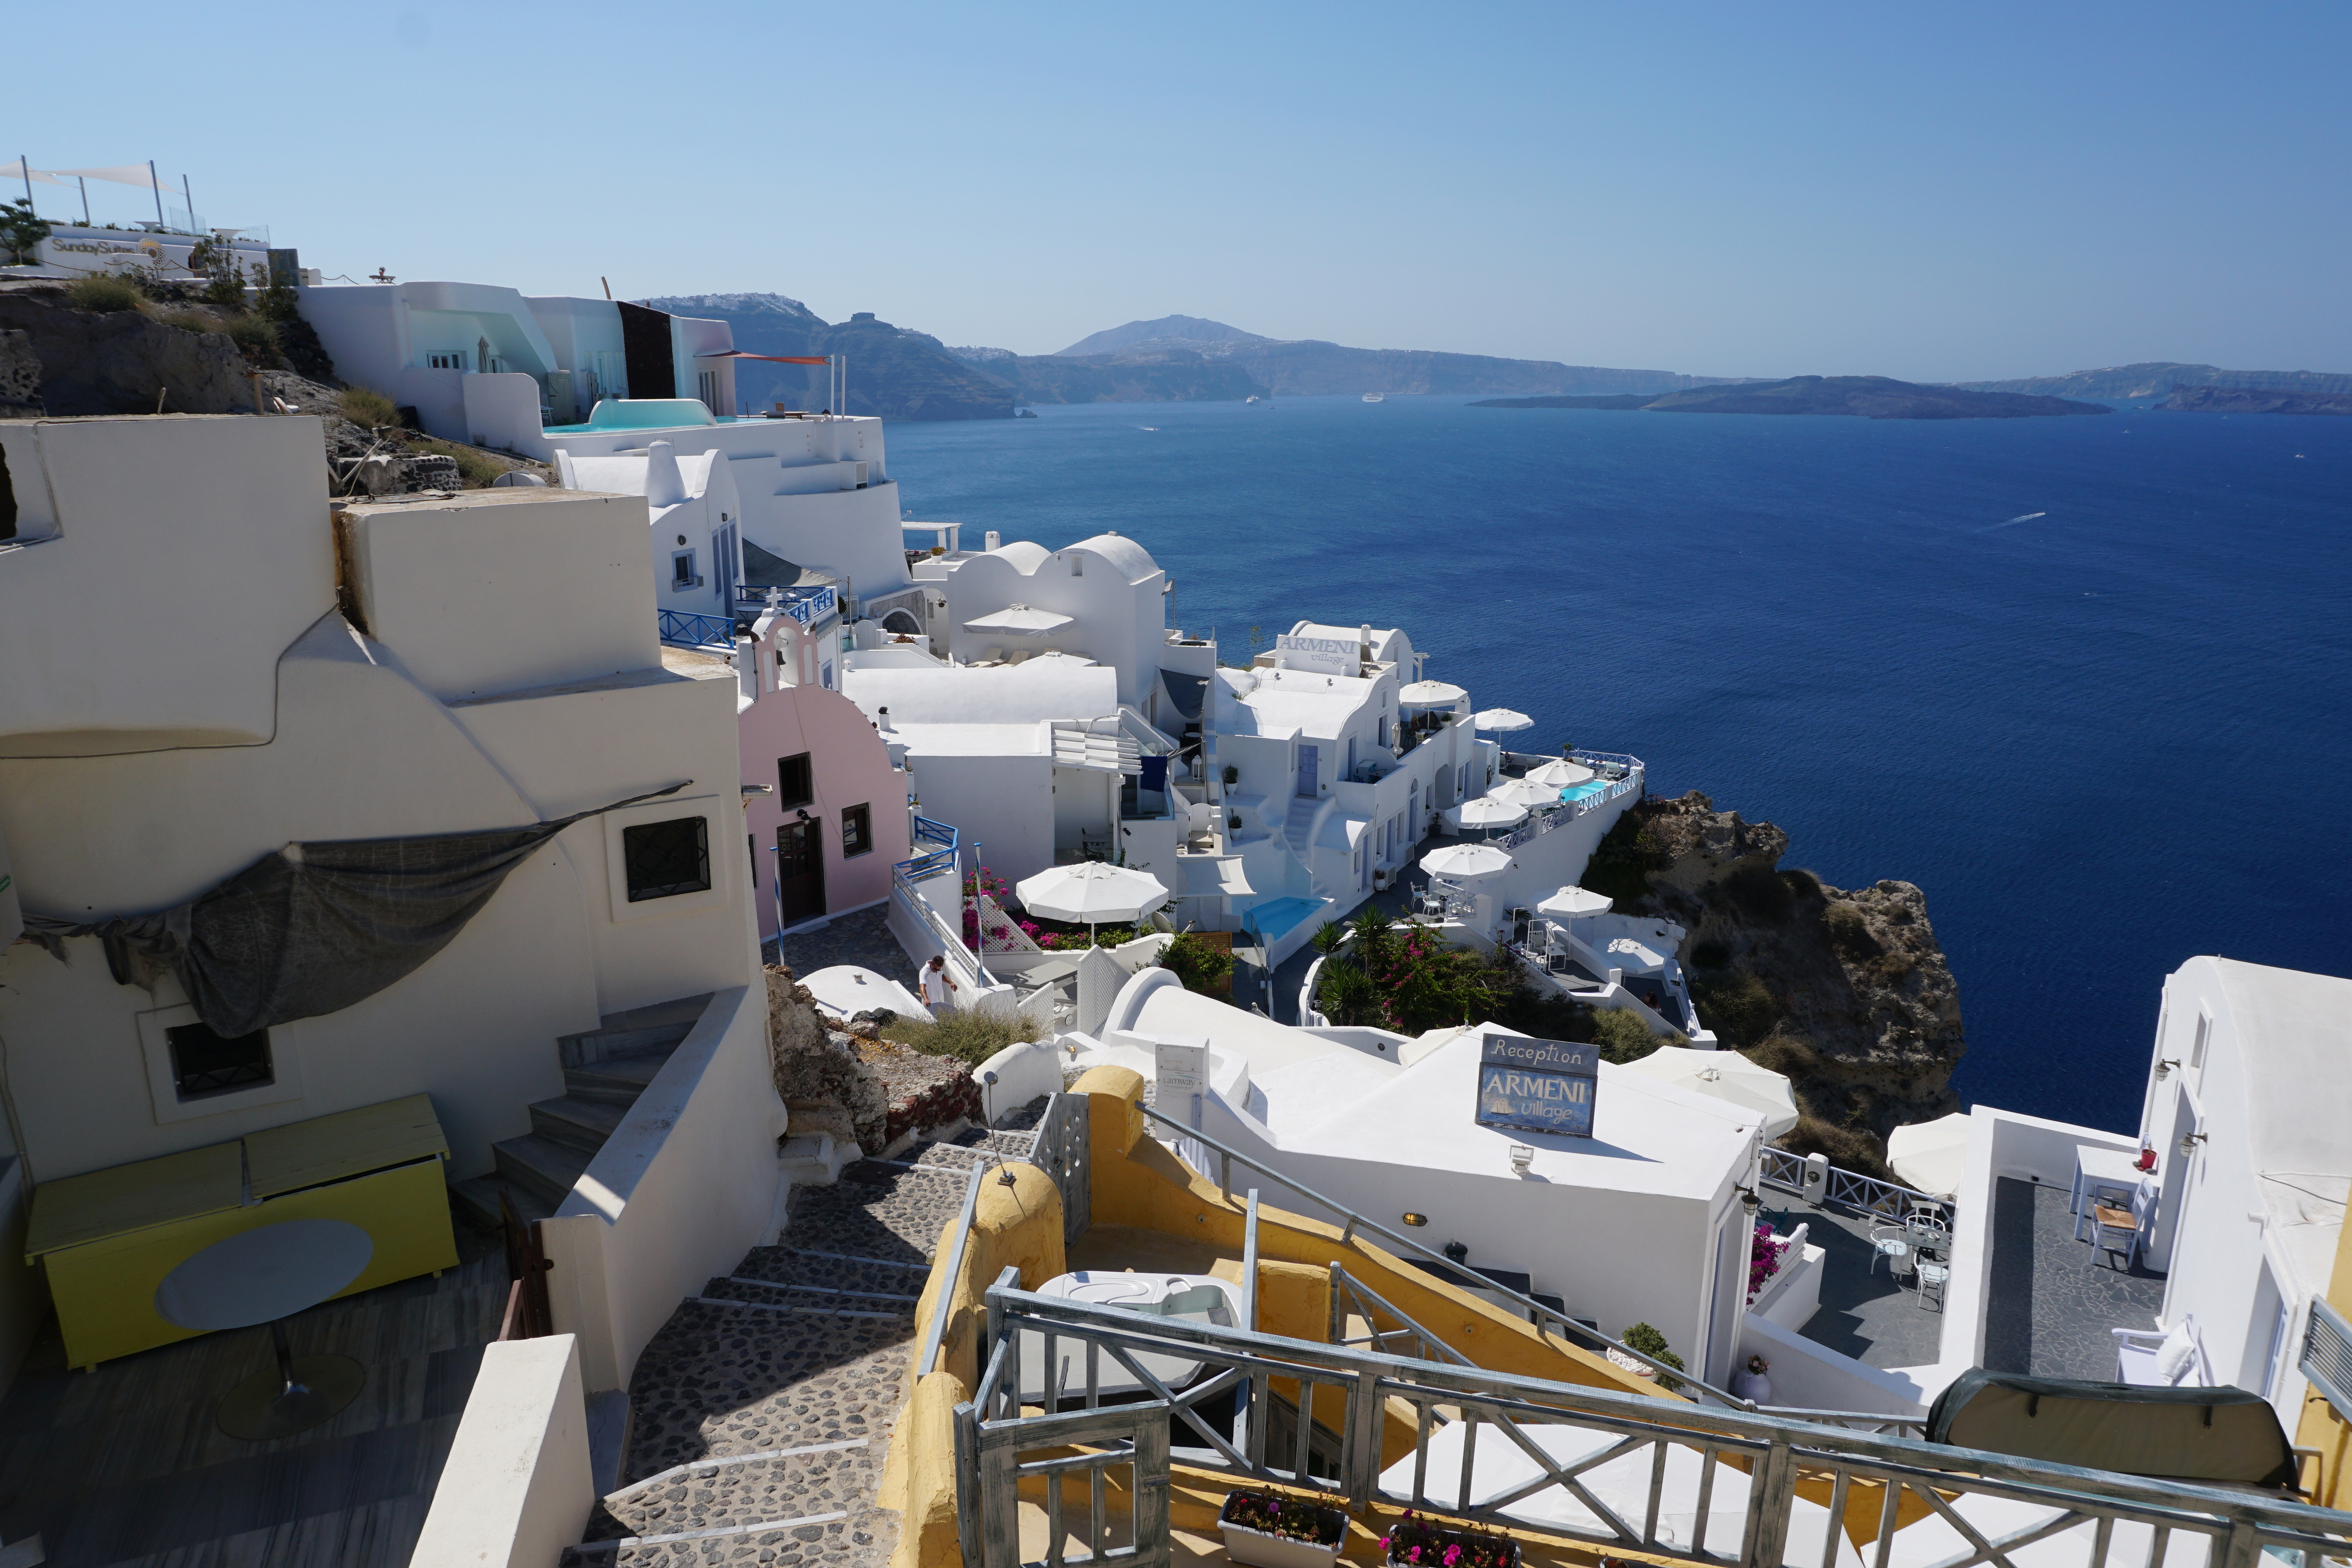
point(2321, 1428)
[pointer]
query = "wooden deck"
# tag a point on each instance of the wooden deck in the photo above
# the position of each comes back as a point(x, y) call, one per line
point(125, 1465)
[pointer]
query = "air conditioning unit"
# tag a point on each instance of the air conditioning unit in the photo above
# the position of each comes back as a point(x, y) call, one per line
point(853, 475)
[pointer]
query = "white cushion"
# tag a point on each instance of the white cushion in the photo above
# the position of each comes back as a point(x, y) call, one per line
point(2176, 1355)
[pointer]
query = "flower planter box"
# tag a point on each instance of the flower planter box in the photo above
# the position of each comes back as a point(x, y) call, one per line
point(1433, 1543)
point(1263, 1549)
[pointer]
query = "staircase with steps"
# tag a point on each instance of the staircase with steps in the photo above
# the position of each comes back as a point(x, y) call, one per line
point(604, 1071)
point(764, 1407)
point(1297, 825)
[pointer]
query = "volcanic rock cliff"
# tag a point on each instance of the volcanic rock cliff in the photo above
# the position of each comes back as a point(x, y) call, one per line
point(1844, 990)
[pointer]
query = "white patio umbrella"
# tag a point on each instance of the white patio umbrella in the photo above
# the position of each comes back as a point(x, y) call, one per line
point(1430, 694)
point(1931, 1156)
point(1091, 891)
point(1728, 1076)
point(1020, 620)
point(1484, 812)
point(1466, 862)
point(1502, 720)
point(1525, 792)
point(1559, 774)
point(1572, 902)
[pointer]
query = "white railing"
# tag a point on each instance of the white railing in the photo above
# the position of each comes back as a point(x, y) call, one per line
point(1852, 1189)
point(904, 894)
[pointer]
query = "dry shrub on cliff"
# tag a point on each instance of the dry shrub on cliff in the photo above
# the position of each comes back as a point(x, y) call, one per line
point(1737, 1006)
point(1622, 1037)
point(1849, 933)
point(968, 1036)
point(368, 408)
point(105, 291)
point(1849, 1148)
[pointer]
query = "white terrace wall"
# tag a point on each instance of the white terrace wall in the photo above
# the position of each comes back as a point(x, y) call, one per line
point(516, 1489)
point(681, 1191)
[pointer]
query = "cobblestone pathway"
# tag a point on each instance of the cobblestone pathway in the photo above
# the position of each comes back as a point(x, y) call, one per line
point(861, 939)
point(763, 1407)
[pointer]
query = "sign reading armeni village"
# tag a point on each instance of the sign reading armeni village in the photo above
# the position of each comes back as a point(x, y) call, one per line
point(1536, 1085)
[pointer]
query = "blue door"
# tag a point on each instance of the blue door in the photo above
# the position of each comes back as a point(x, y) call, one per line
point(1309, 759)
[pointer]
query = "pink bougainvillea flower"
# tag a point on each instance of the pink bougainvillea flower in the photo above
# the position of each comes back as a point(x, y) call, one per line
point(1453, 1556)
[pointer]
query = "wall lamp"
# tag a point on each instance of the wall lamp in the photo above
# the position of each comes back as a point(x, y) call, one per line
point(1409, 1219)
point(2189, 1142)
point(1522, 1158)
point(1750, 1201)
point(2166, 1066)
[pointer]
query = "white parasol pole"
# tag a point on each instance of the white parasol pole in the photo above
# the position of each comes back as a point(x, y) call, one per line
point(155, 185)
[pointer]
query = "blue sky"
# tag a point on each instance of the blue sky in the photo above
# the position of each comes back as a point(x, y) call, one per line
point(1926, 192)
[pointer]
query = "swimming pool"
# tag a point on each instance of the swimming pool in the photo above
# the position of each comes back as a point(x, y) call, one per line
point(1278, 917)
point(1591, 789)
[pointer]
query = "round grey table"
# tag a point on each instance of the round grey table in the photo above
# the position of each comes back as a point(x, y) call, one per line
point(265, 1276)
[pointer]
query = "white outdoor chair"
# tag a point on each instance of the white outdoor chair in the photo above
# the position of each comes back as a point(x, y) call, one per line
point(2114, 1230)
point(1933, 1278)
point(2162, 1358)
point(1892, 1242)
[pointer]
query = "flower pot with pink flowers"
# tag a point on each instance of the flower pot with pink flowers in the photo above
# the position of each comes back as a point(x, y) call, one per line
point(1417, 1540)
point(1266, 1530)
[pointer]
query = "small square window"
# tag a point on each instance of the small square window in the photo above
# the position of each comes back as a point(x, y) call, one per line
point(857, 831)
point(666, 859)
point(793, 787)
point(681, 571)
point(205, 1062)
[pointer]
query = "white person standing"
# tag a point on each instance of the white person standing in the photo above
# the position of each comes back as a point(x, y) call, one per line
point(938, 987)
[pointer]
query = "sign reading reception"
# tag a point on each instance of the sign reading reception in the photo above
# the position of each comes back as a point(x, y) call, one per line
point(1538, 1085)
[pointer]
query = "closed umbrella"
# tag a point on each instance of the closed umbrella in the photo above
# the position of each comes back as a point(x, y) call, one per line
point(1559, 774)
point(1430, 694)
point(1524, 792)
point(1728, 1076)
point(1484, 812)
point(1931, 1156)
point(1091, 891)
point(1466, 862)
point(1502, 720)
point(1569, 903)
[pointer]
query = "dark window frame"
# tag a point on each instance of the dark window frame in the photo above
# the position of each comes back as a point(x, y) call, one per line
point(859, 818)
point(667, 859)
point(786, 768)
point(206, 1065)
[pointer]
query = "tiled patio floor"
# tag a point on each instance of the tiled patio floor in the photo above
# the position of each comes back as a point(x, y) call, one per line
point(1867, 1313)
point(2049, 1312)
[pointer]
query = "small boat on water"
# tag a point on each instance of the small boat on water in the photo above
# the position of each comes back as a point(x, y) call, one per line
point(1260, 402)
point(1375, 397)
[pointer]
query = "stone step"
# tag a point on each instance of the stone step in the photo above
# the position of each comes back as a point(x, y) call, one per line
point(792, 1266)
point(615, 1080)
point(479, 1196)
point(654, 1029)
point(862, 1537)
point(784, 1482)
point(576, 1123)
point(540, 1166)
point(811, 1299)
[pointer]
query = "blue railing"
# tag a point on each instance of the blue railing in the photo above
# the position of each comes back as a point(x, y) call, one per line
point(806, 605)
point(685, 629)
point(939, 860)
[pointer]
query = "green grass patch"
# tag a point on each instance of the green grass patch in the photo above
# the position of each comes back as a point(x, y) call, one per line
point(103, 291)
point(368, 408)
point(971, 1038)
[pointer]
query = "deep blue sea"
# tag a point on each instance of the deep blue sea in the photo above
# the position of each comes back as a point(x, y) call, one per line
point(2085, 681)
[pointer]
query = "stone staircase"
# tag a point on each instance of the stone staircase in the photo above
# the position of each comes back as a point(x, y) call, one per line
point(1297, 825)
point(763, 1408)
point(604, 1071)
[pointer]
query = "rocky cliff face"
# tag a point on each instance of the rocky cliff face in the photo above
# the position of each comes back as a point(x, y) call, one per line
point(1844, 990)
point(122, 362)
point(893, 372)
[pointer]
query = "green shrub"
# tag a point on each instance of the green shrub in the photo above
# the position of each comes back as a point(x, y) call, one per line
point(1803, 883)
point(1623, 861)
point(1346, 994)
point(1852, 1148)
point(971, 1038)
point(1849, 933)
point(1651, 1343)
point(1200, 965)
point(368, 408)
point(21, 230)
point(1759, 891)
point(105, 291)
point(1622, 1037)
point(187, 321)
point(1736, 1006)
point(255, 337)
point(1329, 937)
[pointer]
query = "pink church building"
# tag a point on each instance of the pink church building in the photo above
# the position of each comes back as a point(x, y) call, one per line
point(833, 818)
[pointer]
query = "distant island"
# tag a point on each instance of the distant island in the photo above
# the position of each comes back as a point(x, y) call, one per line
point(1869, 397)
point(2156, 378)
point(2255, 400)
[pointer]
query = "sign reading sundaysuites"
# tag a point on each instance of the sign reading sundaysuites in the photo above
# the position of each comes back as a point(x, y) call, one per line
point(1536, 1085)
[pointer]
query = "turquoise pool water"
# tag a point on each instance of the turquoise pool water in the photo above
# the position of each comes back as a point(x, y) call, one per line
point(1278, 917)
point(1584, 791)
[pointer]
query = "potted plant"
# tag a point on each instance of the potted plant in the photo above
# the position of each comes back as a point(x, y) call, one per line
point(1422, 1542)
point(1233, 775)
point(1753, 1382)
point(1641, 1337)
point(1269, 1530)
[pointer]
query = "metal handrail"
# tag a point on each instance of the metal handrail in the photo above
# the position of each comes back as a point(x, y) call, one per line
point(1572, 1330)
point(928, 1358)
point(685, 629)
point(1774, 1449)
point(1785, 1169)
point(952, 945)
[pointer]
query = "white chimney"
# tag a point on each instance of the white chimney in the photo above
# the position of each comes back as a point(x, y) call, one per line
point(665, 486)
point(994, 539)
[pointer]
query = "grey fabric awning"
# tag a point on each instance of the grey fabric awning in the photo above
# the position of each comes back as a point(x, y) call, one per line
point(1185, 691)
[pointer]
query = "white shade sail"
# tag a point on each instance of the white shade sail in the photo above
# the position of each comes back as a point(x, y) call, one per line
point(1521, 792)
point(1931, 1156)
point(1571, 902)
point(1502, 720)
point(1430, 694)
point(1091, 891)
point(1466, 862)
point(140, 174)
point(1020, 620)
point(1560, 775)
point(16, 172)
point(1728, 1076)
point(1484, 812)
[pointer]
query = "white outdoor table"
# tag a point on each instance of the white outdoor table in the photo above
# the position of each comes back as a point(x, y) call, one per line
point(265, 1276)
point(2091, 1166)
